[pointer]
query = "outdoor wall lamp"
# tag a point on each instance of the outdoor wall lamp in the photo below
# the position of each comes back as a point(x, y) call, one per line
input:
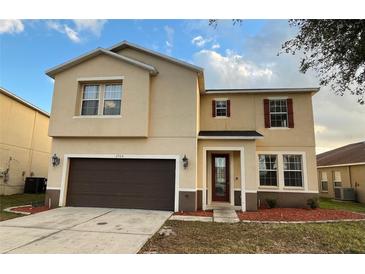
point(55, 160)
point(185, 161)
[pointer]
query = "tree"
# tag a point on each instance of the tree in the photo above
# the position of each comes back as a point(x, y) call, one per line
point(335, 50)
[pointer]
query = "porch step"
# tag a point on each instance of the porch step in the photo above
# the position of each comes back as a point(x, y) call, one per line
point(225, 215)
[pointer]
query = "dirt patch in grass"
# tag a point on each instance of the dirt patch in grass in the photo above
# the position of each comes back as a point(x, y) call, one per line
point(298, 214)
point(201, 237)
point(201, 213)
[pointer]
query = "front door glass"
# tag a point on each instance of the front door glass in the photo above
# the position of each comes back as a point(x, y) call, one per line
point(220, 177)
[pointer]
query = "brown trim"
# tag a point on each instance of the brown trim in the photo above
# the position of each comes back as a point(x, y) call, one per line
point(228, 108)
point(267, 113)
point(213, 108)
point(226, 197)
point(290, 113)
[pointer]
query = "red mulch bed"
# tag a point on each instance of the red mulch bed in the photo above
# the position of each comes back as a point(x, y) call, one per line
point(298, 214)
point(30, 209)
point(201, 213)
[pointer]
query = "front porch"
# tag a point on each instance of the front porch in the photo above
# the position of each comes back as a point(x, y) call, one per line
point(223, 178)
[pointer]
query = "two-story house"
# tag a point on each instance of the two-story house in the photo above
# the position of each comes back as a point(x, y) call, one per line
point(134, 128)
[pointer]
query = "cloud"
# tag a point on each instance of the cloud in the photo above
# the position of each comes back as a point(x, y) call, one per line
point(169, 39)
point(199, 41)
point(216, 46)
point(95, 26)
point(80, 28)
point(11, 26)
point(231, 70)
point(339, 120)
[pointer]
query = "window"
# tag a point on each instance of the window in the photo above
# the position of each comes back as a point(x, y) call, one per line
point(112, 99)
point(268, 166)
point(90, 100)
point(324, 182)
point(293, 174)
point(221, 108)
point(278, 113)
point(338, 177)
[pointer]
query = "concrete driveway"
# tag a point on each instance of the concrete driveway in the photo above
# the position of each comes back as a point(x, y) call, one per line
point(81, 230)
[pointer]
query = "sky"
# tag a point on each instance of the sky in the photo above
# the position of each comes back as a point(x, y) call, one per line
point(233, 56)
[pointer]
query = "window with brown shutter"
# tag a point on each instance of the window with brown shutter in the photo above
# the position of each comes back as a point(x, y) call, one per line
point(267, 113)
point(228, 108)
point(213, 108)
point(290, 113)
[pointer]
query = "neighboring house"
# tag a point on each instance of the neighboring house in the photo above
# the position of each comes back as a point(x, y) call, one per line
point(24, 143)
point(134, 128)
point(342, 167)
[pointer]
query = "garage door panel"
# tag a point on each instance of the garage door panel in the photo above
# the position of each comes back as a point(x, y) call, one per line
point(122, 183)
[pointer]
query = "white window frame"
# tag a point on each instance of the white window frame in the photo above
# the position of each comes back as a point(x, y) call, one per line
point(119, 99)
point(83, 100)
point(276, 170)
point(324, 179)
point(101, 99)
point(286, 113)
point(281, 187)
point(294, 170)
point(216, 108)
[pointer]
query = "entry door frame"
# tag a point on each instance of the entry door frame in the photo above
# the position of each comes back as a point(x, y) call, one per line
point(242, 167)
point(66, 165)
point(226, 198)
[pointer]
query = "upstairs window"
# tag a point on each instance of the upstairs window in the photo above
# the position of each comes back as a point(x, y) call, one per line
point(293, 170)
point(90, 100)
point(101, 99)
point(112, 99)
point(278, 113)
point(221, 108)
point(268, 167)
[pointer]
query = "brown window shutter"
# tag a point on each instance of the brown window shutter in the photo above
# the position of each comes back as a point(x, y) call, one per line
point(267, 113)
point(213, 108)
point(290, 113)
point(228, 108)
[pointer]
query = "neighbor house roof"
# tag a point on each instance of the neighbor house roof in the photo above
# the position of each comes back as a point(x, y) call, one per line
point(263, 90)
point(22, 101)
point(346, 155)
point(229, 134)
point(53, 71)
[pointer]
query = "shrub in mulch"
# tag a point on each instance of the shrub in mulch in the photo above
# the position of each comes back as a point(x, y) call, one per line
point(30, 209)
point(200, 213)
point(298, 214)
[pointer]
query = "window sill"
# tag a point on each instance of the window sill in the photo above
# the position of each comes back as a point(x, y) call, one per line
point(293, 188)
point(268, 187)
point(279, 128)
point(221, 117)
point(324, 191)
point(96, 116)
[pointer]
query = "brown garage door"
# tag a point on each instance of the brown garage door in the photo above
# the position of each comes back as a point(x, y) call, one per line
point(122, 183)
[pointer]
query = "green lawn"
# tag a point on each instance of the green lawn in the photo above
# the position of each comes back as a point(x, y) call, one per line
point(17, 199)
point(201, 237)
point(329, 203)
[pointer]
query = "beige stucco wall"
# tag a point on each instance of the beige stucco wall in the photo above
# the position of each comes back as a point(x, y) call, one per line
point(351, 176)
point(24, 140)
point(171, 106)
point(247, 113)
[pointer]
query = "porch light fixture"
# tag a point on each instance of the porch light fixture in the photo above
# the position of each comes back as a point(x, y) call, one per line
point(185, 161)
point(55, 160)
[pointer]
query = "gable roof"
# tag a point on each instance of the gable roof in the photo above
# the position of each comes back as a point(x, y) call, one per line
point(22, 101)
point(350, 154)
point(125, 44)
point(73, 62)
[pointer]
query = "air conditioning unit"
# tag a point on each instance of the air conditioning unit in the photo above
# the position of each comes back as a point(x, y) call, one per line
point(345, 193)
